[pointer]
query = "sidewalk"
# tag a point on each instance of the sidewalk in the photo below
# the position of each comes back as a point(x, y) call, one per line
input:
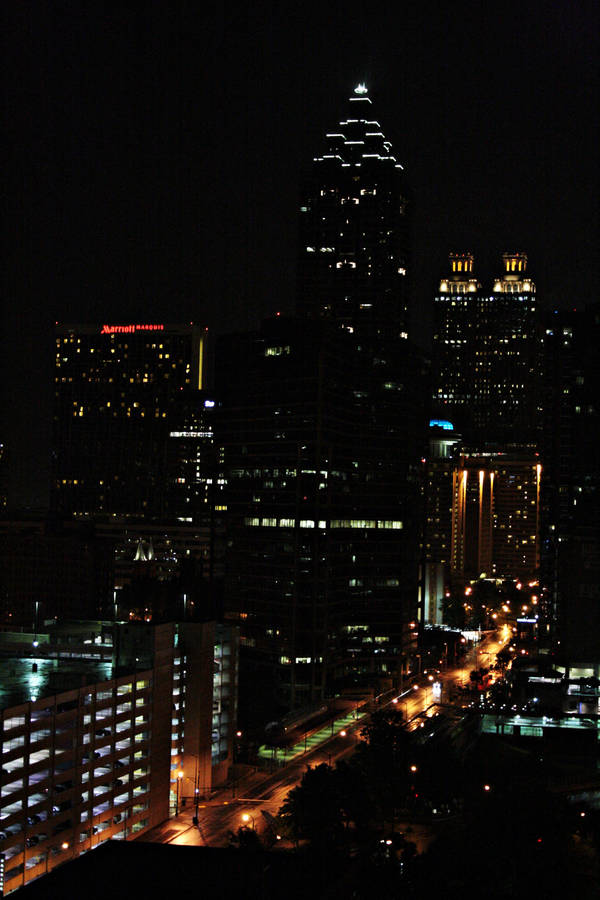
point(312, 740)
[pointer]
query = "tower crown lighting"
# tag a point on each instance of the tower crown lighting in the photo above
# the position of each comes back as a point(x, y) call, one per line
point(354, 246)
point(461, 279)
point(514, 278)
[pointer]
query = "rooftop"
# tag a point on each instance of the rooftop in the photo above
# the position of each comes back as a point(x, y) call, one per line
point(33, 678)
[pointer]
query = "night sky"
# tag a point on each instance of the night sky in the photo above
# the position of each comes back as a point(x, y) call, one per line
point(155, 155)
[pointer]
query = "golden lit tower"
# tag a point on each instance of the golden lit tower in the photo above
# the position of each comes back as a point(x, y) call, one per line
point(486, 353)
point(495, 516)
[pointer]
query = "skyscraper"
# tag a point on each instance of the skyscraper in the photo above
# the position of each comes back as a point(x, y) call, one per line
point(125, 396)
point(135, 451)
point(571, 481)
point(486, 371)
point(354, 238)
point(444, 444)
point(323, 450)
point(323, 421)
point(486, 353)
point(495, 516)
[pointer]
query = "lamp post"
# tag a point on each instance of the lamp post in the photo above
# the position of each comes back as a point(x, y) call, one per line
point(179, 777)
point(36, 616)
point(246, 817)
point(196, 789)
point(413, 790)
point(235, 778)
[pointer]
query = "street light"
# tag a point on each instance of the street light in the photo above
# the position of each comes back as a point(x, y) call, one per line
point(246, 818)
point(198, 788)
point(235, 778)
point(179, 777)
point(195, 819)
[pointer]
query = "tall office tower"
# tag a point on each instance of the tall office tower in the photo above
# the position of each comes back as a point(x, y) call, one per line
point(323, 448)
point(571, 485)
point(486, 354)
point(128, 397)
point(354, 238)
point(444, 445)
point(194, 460)
point(3, 478)
point(134, 450)
point(495, 516)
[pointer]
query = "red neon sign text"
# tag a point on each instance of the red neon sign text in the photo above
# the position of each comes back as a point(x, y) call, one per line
point(128, 329)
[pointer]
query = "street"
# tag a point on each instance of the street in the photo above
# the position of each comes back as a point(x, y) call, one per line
point(259, 792)
point(265, 792)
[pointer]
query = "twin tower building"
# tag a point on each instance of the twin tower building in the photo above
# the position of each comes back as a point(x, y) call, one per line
point(292, 462)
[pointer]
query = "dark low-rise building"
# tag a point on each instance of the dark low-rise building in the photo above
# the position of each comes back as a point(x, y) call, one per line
point(52, 569)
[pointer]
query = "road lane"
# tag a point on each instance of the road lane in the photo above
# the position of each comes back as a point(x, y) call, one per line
point(222, 815)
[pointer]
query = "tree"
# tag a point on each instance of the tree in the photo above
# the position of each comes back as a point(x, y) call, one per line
point(313, 809)
point(248, 839)
point(453, 610)
point(357, 802)
point(385, 758)
point(385, 731)
point(485, 599)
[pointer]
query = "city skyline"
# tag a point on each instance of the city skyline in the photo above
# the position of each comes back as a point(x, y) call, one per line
point(157, 158)
point(298, 463)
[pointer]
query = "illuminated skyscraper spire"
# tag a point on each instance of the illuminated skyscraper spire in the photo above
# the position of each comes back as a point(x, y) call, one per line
point(359, 137)
point(353, 264)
